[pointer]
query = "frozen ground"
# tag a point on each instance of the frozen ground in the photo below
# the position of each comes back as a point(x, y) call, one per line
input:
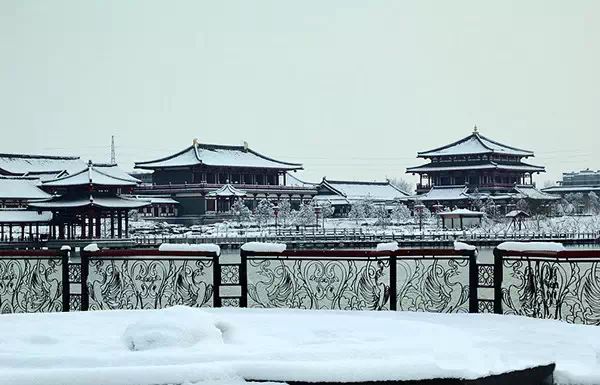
point(222, 346)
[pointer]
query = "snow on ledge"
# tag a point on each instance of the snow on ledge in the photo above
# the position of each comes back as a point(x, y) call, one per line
point(261, 247)
point(389, 246)
point(531, 246)
point(201, 247)
point(65, 247)
point(92, 247)
point(463, 246)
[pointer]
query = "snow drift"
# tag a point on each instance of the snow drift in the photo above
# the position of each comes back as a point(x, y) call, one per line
point(223, 346)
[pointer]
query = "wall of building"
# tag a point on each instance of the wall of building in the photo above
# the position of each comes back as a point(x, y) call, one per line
point(172, 176)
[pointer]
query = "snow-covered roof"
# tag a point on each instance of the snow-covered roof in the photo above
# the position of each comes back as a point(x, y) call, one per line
point(530, 192)
point(516, 213)
point(475, 144)
point(444, 193)
point(14, 187)
point(218, 155)
point(21, 164)
point(357, 190)
point(294, 181)
point(23, 216)
point(227, 190)
point(153, 199)
point(490, 165)
point(569, 189)
point(335, 200)
point(98, 201)
point(462, 213)
point(97, 174)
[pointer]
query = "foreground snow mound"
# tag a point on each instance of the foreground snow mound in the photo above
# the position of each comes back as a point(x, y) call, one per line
point(224, 346)
point(531, 246)
point(264, 247)
point(171, 330)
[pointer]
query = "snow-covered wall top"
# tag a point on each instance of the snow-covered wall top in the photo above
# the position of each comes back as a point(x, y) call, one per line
point(389, 246)
point(463, 246)
point(200, 247)
point(261, 247)
point(531, 246)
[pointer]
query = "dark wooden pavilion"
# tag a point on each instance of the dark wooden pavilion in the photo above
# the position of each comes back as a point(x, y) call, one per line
point(84, 201)
point(478, 163)
point(194, 175)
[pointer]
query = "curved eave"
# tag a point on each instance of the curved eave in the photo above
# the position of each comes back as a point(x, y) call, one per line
point(488, 150)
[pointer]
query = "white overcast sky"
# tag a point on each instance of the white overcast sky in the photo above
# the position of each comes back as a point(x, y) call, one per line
point(352, 89)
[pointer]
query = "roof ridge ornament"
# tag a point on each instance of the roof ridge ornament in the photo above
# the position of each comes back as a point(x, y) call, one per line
point(245, 146)
point(475, 129)
point(195, 142)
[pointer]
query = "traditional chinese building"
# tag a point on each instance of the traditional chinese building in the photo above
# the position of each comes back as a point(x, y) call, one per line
point(584, 181)
point(195, 175)
point(44, 167)
point(476, 168)
point(342, 194)
point(89, 203)
point(476, 162)
point(16, 223)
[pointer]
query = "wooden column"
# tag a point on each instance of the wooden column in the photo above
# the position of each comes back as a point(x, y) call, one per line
point(1, 231)
point(10, 238)
point(61, 231)
point(90, 226)
point(126, 224)
point(37, 231)
point(83, 234)
point(98, 225)
point(112, 224)
point(119, 225)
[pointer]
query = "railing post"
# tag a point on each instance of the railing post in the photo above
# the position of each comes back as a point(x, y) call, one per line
point(66, 284)
point(216, 281)
point(85, 269)
point(473, 282)
point(498, 255)
point(243, 278)
point(393, 283)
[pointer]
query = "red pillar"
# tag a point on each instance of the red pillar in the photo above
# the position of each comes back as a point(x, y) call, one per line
point(112, 224)
point(83, 226)
point(119, 225)
point(98, 226)
point(126, 224)
point(90, 226)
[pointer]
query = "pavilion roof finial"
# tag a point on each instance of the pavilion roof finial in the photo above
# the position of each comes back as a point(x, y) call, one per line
point(195, 142)
point(475, 129)
point(245, 146)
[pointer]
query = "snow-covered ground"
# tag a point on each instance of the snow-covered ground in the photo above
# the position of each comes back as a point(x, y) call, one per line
point(223, 346)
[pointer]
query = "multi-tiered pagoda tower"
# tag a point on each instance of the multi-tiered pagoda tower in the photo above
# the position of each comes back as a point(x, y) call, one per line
point(478, 163)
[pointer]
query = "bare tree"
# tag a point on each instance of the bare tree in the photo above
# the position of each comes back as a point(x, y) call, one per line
point(403, 185)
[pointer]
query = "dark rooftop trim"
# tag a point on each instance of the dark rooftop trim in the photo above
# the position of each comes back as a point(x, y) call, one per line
point(479, 138)
point(209, 147)
point(28, 156)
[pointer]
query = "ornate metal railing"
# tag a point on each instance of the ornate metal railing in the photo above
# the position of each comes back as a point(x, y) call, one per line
point(148, 279)
point(562, 285)
point(34, 281)
point(436, 280)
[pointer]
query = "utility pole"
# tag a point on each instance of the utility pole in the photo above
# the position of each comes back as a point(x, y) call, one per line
point(113, 155)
